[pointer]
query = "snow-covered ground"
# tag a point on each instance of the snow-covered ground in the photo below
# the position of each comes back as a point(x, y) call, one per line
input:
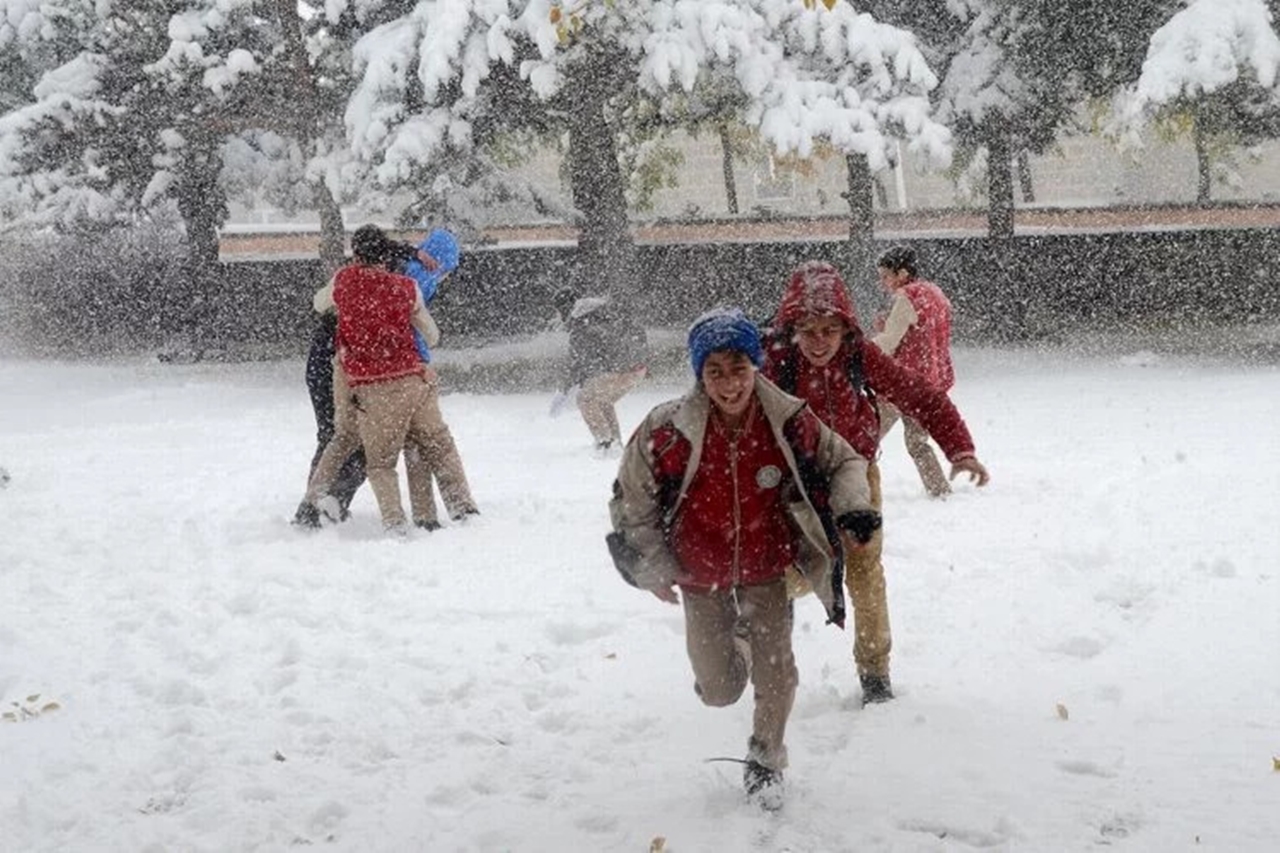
point(227, 683)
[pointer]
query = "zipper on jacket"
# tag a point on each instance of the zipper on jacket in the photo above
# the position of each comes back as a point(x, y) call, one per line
point(736, 574)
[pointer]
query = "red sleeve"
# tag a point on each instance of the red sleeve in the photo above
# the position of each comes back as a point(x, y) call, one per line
point(918, 400)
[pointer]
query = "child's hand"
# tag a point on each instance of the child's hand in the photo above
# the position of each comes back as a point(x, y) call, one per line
point(668, 593)
point(563, 399)
point(860, 525)
point(970, 465)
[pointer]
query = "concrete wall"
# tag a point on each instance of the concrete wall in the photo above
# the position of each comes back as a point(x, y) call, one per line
point(1032, 287)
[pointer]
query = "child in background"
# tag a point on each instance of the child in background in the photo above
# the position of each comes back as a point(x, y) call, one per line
point(378, 312)
point(917, 333)
point(606, 361)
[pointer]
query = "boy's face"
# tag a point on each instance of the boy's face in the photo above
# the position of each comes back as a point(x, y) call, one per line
point(891, 280)
point(819, 337)
point(729, 379)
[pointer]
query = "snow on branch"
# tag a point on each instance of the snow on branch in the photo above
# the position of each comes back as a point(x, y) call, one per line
point(1205, 47)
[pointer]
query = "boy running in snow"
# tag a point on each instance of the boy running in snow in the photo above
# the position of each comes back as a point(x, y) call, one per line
point(815, 350)
point(917, 333)
point(718, 494)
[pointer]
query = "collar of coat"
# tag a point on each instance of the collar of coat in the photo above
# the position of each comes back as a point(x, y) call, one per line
point(693, 410)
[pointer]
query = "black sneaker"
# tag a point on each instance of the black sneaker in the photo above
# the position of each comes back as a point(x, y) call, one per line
point(762, 784)
point(307, 516)
point(875, 689)
point(426, 524)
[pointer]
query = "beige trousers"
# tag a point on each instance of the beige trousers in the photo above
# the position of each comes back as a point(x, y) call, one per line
point(917, 440)
point(721, 667)
point(597, 398)
point(864, 578)
point(438, 457)
point(438, 453)
point(387, 414)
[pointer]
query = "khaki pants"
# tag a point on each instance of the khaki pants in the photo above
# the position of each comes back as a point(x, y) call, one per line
point(438, 456)
point(597, 398)
point(721, 668)
point(917, 440)
point(864, 578)
point(388, 414)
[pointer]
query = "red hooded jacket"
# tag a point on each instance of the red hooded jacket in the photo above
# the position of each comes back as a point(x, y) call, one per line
point(842, 392)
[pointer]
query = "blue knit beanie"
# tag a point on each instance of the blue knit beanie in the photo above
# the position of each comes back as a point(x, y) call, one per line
point(723, 329)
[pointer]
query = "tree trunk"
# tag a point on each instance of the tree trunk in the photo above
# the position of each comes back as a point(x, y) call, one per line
point(859, 260)
point(999, 179)
point(306, 122)
point(606, 251)
point(726, 163)
point(333, 250)
point(203, 207)
point(1008, 303)
point(1025, 182)
point(1204, 173)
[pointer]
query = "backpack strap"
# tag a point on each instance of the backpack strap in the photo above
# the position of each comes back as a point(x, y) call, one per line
point(671, 456)
point(854, 370)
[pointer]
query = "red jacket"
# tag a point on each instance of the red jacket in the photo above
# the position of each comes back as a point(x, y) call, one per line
point(375, 333)
point(839, 392)
point(926, 347)
point(831, 393)
point(740, 479)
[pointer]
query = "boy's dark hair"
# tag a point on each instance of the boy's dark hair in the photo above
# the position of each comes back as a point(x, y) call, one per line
point(899, 258)
point(369, 244)
point(397, 253)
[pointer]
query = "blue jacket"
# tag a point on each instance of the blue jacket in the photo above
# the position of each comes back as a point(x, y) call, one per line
point(443, 246)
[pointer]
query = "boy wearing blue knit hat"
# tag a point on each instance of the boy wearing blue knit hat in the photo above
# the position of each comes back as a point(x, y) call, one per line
point(719, 494)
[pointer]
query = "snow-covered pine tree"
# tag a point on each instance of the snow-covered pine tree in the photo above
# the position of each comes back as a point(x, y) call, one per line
point(1016, 72)
point(1210, 70)
point(806, 76)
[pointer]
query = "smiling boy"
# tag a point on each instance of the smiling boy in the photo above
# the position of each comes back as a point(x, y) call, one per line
point(718, 494)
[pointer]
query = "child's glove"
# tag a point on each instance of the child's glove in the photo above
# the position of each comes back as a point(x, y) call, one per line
point(861, 524)
point(563, 399)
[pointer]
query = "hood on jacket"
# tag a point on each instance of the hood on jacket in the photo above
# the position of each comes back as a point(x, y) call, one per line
point(816, 287)
point(443, 246)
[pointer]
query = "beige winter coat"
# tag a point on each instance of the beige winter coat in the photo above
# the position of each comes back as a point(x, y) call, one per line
point(637, 514)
